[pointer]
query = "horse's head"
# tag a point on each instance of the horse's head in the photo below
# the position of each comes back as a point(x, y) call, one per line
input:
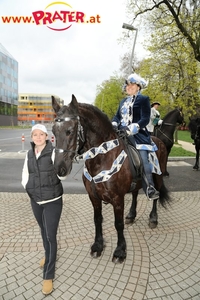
point(174, 117)
point(194, 127)
point(68, 132)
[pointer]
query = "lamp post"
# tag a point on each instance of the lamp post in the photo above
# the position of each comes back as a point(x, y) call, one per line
point(130, 27)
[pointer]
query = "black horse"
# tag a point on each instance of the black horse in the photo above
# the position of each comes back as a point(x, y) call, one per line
point(83, 129)
point(194, 127)
point(165, 132)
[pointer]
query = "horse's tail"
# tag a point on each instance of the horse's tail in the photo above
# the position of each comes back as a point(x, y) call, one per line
point(164, 196)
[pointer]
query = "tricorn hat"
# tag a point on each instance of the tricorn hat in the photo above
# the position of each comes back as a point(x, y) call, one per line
point(155, 103)
point(135, 78)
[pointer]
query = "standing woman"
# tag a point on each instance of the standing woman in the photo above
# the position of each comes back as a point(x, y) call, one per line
point(45, 191)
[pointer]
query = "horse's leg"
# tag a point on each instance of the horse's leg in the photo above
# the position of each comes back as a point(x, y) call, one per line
point(119, 254)
point(196, 165)
point(130, 218)
point(97, 247)
point(153, 217)
point(166, 173)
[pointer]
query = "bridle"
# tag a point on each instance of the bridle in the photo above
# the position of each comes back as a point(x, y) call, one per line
point(80, 134)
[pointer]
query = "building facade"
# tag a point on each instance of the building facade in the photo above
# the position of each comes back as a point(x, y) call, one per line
point(8, 88)
point(36, 108)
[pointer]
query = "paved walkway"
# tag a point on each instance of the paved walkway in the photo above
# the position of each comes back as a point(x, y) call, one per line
point(161, 264)
point(187, 146)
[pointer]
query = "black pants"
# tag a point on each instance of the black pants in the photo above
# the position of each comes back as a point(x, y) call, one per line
point(48, 217)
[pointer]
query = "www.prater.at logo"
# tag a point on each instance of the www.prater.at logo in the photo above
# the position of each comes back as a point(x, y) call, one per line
point(61, 16)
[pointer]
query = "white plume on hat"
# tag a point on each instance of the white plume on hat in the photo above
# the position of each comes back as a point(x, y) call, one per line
point(135, 78)
point(40, 127)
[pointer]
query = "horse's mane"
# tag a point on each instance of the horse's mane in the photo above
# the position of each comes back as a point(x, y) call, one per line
point(98, 120)
point(94, 113)
point(168, 115)
point(90, 110)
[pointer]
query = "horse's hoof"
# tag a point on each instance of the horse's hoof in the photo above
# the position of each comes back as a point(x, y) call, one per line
point(129, 221)
point(95, 254)
point(195, 168)
point(118, 260)
point(130, 218)
point(153, 225)
point(166, 174)
point(119, 255)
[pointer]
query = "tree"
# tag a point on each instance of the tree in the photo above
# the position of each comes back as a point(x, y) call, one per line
point(109, 94)
point(184, 13)
point(172, 68)
point(125, 62)
point(173, 73)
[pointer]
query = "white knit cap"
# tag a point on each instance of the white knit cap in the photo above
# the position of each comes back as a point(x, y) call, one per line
point(40, 127)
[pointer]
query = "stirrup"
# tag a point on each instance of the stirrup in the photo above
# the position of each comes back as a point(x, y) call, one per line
point(154, 195)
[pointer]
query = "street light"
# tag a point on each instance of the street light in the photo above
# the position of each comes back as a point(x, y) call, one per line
point(130, 27)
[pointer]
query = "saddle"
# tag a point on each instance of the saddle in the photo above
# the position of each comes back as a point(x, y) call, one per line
point(135, 160)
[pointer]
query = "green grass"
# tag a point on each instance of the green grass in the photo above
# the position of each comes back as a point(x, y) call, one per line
point(184, 135)
point(177, 150)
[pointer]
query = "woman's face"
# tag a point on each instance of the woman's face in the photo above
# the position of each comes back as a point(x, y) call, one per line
point(132, 89)
point(39, 137)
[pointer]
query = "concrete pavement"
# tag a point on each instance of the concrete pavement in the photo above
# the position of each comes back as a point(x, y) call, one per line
point(161, 264)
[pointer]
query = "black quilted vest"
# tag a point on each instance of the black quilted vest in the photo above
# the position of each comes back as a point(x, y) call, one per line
point(43, 183)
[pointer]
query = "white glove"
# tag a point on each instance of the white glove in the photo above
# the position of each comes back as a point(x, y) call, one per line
point(160, 122)
point(133, 129)
point(114, 124)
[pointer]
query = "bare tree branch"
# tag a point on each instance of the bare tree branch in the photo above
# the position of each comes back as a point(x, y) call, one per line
point(185, 14)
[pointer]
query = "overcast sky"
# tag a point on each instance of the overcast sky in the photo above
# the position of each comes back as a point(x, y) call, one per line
point(72, 61)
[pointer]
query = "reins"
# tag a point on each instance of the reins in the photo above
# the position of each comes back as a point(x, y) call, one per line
point(169, 124)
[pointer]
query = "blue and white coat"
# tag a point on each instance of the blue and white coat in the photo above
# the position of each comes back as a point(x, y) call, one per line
point(141, 110)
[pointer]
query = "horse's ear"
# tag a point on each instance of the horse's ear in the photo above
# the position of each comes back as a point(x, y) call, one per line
point(74, 100)
point(55, 104)
point(74, 103)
